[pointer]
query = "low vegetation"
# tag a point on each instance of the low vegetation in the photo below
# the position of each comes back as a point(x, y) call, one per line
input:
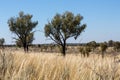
point(17, 65)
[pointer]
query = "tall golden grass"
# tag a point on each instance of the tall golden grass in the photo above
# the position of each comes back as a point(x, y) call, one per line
point(18, 65)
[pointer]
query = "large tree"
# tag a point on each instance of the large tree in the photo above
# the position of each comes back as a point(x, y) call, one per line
point(63, 27)
point(23, 27)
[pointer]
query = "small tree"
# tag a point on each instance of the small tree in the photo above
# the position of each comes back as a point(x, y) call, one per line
point(22, 26)
point(2, 41)
point(92, 44)
point(103, 47)
point(85, 51)
point(117, 46)
point(63, 27)
point(110, 43)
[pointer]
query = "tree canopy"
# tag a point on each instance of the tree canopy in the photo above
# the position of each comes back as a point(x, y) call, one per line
point(23, 27)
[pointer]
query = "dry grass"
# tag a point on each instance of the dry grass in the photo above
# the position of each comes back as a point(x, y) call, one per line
point(40, 66)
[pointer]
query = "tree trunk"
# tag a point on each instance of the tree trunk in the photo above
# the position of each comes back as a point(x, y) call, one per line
point(25, 47)
point(64, 48)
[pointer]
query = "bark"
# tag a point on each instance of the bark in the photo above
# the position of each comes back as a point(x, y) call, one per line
point(25, 47)
point(64, 48)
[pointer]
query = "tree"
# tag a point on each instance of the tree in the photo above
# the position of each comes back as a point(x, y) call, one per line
point(85, 51)
point(22, 26)
point(92, 44)
point(2, 41)
point(103, 47)
point(117, 46)
point(110, 43)
point(63, 27)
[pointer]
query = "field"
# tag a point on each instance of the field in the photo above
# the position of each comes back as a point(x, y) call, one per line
point(17, 65)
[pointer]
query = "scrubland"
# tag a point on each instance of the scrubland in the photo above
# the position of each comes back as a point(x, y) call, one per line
point(17, 65)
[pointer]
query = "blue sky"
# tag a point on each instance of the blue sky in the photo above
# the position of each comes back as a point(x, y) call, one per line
point(101, 16)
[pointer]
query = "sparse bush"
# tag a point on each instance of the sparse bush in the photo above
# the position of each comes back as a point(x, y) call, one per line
point(2, 41)
point(103, 47)
point(110, 43)
point(81, 49)
point(93, 45)
point(117, 46)
point(85, 51)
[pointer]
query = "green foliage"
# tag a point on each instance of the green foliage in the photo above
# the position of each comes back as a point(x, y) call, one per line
point(103, 47)
point(110, 43)
point(117, 46)
point(85, 50)
point(81, 49)
point(63, 27)
point(22, 26)
point(19, 43)
point(92, 44)
point(2, 41)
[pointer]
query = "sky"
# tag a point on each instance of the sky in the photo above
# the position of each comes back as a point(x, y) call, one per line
point(101, 16)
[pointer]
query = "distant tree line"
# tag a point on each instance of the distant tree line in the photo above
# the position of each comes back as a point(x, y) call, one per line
point(92, 45)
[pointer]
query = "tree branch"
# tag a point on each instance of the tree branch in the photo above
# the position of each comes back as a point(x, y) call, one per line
point(60, 43)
